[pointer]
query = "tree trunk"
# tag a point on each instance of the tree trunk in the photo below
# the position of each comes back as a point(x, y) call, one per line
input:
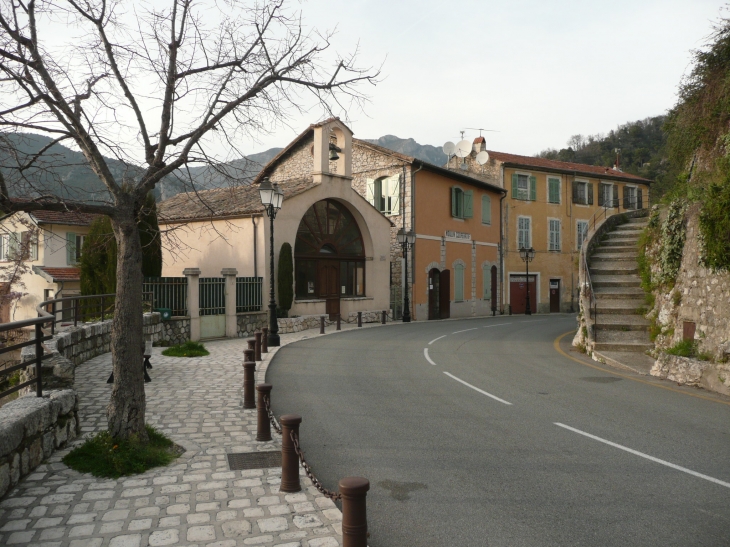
point(126, 409)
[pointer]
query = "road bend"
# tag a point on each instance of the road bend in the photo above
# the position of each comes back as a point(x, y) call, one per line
point(486, 432)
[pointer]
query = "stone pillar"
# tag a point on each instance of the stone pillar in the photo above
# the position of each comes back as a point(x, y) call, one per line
point(231, 324)
point(193, 275)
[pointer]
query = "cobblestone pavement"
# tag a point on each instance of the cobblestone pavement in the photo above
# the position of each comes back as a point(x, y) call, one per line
point(195, 501)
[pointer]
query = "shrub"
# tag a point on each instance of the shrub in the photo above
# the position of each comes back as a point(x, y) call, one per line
point(285, 278)
point(104, 456)
point(188, 349)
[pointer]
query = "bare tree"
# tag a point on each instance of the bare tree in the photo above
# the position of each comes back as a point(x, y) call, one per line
point(153, 89)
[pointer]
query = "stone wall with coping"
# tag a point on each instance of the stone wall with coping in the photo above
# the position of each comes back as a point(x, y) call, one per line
point(31, 428)
point(175, 331)
point(248, 323)
point(693, 372)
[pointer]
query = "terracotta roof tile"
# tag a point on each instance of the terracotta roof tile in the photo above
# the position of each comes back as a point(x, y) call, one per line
point(62, 274)
point(223, 202)
point(67, 217)
point(565, 166)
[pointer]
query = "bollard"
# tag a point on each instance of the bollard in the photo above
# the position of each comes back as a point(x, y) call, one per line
point(252, 346)
point(359, 319)
point(265, 340)
point(263, 428)
point(321, 324)
point(249, 365)
point(354, 515)
point(289, 458)
point(382, 319)
point(257, 345)
point(339, 320)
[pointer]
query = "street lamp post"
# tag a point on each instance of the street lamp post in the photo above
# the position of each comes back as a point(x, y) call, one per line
point(271, 199)
point(406, 239)
point(527, 255)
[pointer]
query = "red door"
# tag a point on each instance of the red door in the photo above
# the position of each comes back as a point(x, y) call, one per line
point(518, 293)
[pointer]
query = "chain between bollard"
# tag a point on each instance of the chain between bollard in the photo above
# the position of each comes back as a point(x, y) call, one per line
point(272, 418)
point(308, 470)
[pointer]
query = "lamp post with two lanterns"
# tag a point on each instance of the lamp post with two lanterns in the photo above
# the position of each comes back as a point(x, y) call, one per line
point(527, 255)
point(271, 199)
point(406, 239)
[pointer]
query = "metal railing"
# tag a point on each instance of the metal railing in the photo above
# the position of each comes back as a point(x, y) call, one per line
point(168, 292)
point(249, 294)
point(77, 309)
point(37, 323)
point(212, 297)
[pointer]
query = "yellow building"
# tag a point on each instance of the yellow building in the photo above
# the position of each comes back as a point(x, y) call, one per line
point(549, 207)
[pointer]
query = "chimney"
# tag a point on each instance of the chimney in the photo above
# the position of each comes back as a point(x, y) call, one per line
point(480, 144)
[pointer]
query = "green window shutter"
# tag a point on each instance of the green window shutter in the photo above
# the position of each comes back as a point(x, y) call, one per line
point(394, 194)
point(533, 188)
point(575, 191)
point(70, 248)
point(468, 204)
point(639, 199)
point(589, 186)
point(370, 192)
point(486, 210)
point(626, 198)
point(454, 202)
point(553, 190)
point(459, 283)
point(601, 190)
point(615, 196)
point(515, 191)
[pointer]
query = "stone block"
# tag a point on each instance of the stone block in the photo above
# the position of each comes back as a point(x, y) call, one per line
point(35, 454)
point(4, 478)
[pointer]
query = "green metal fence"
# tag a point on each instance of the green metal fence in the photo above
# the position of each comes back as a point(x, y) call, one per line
point(212, 296)
point(249, 294)
point(167, 292)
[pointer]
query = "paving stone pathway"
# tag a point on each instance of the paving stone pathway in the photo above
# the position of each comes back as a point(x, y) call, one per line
point(197, 500)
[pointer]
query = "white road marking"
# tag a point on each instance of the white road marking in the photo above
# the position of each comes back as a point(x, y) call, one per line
point(497, 325)
point(534, 321)
point(477, 389)
point(465, 330)
point(642, 455)
point(435, 339)
point(425, 354)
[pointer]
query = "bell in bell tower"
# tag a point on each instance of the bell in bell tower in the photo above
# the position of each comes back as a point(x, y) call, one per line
point(332, 150)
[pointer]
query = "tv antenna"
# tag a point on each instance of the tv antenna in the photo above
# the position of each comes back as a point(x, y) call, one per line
point(480, 129)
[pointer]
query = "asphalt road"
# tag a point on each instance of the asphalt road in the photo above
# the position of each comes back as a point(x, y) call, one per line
point(495, 438)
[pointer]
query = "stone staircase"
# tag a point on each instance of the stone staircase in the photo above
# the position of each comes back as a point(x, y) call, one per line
point(621, 332)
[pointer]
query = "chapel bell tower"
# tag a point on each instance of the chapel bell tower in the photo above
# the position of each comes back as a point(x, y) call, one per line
point(332, 150)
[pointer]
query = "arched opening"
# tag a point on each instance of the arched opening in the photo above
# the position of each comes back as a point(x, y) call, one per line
point(329, 255)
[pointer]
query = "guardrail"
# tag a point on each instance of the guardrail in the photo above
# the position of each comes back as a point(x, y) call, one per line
point(79, 309)
point(37, 323)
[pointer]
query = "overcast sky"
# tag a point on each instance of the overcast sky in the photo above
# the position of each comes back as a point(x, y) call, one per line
point(536, 71)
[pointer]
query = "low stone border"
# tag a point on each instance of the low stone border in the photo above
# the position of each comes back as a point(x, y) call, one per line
point(693, 372)
point(31, 428)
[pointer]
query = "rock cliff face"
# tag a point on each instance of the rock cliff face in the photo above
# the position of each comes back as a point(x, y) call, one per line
point(696, 308)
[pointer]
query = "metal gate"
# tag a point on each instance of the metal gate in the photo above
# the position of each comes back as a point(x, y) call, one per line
point(212, 302)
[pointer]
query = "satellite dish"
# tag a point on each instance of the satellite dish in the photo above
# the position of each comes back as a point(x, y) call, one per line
point(449, 148)
point(463, 148)
point(482, 157)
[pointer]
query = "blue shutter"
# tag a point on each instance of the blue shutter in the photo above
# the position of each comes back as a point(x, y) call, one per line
point(454, 202)
point(486, 210)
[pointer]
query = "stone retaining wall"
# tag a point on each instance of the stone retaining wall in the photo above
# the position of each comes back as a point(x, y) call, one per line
point(175, 331)
point(693, 372)
point(31, 428)
point(247, 323)
point(298, 324)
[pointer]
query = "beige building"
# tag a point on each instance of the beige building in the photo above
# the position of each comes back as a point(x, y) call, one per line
point(549, 207)
point(341, 243)
point(51, 246)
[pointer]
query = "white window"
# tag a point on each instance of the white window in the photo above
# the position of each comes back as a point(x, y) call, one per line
point(554, 231)
point(582, 232)
point(384, 194)
point(4, 246)
point(606, 194)
point(29, 244)
point(523, 233)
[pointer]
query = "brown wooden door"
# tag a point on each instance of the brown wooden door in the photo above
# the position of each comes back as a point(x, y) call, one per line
point(555, 296)
point(518, 294)
point(433, 294)
point(329, 284)
point(445, 294)
point(494, 289)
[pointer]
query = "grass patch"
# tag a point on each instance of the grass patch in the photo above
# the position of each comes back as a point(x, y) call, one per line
point(188, 349)
point(689, 348)
point(104, 456)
